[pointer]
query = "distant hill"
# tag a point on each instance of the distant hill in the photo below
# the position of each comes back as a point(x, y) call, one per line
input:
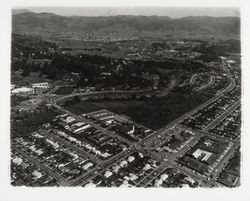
point(49, 24)
point(18, 11)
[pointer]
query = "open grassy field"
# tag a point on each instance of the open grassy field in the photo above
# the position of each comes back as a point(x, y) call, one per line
point(64, 90)
point(30, 122)
point(153, 113)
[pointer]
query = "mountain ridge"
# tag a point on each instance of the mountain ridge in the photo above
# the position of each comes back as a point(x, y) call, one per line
point(49, 24)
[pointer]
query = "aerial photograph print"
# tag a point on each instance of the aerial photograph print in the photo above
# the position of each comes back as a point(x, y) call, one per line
point(132, 97)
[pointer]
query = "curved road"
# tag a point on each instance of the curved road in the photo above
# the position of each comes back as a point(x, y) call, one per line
point(83, 178)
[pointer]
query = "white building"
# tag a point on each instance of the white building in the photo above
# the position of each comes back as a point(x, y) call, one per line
point(40, 85)
point(77, 130)
point(22, 91)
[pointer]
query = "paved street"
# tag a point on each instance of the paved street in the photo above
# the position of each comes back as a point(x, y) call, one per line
point(75, 148)
point(81, 118)
point(172, 156)
point(108, 163)
point(59, 178)
point(168, 159)
point(221, 165)
point(223, 116)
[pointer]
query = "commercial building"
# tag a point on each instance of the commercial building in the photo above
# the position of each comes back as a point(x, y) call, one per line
point(22, 91)
point(40, 87)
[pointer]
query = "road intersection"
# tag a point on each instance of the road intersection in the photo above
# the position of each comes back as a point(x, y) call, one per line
point(167, 160)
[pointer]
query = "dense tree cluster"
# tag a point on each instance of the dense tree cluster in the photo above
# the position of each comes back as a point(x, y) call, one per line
point(95, 70)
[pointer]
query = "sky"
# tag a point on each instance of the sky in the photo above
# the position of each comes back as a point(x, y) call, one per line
point(174, 12)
